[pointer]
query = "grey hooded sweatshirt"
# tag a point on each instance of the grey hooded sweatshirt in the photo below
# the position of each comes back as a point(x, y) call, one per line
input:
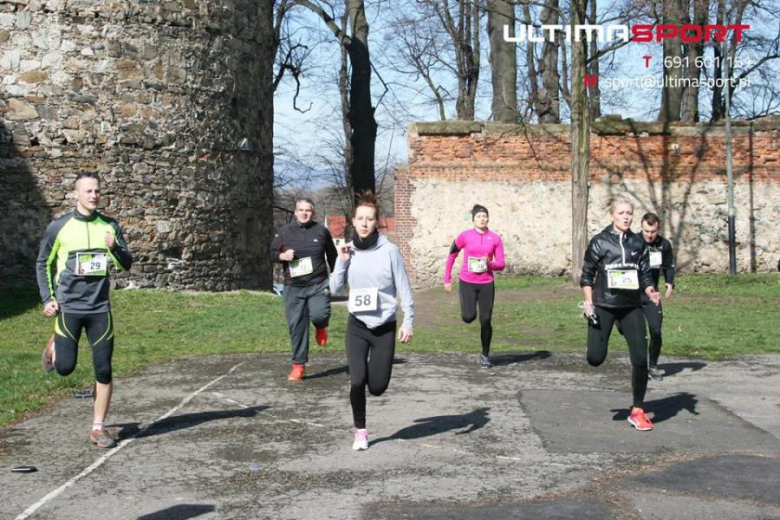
point(381, 267)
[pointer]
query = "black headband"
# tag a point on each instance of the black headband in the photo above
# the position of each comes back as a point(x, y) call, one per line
point(478, 209)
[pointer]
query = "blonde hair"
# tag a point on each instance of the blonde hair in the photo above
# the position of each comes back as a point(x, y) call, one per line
point(615, 201)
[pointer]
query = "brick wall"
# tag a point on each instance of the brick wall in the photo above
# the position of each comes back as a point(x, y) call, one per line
point(523, 175)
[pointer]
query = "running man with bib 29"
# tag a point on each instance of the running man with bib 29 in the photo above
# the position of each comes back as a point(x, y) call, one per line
point(73, 268)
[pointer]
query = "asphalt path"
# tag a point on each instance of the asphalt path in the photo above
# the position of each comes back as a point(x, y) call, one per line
point(538, 436)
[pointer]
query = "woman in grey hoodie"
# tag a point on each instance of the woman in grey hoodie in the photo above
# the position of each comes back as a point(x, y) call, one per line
point(375, 272)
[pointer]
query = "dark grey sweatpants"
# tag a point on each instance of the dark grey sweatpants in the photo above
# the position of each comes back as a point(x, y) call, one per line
point(302, 304)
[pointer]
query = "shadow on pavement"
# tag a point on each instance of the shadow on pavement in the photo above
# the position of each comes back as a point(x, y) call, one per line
point(179, 512)
point(675, 368)
point(508, 359)
point(429, 426)
point(181, 422)
point(329, 372)
point(663, 409)
point(345, 370)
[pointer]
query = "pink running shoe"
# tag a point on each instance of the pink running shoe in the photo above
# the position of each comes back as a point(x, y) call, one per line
point(361, 440)
point(639, 420)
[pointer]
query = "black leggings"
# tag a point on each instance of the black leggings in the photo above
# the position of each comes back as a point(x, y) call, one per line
point(473, 295)
point(100, 333)
point(632, 323)
point(370, 359)
point(655, 319)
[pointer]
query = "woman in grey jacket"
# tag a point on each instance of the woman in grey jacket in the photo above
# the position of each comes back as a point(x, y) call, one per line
point(375, 272)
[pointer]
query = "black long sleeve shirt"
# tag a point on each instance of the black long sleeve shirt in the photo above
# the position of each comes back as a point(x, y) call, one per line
point(310, 240)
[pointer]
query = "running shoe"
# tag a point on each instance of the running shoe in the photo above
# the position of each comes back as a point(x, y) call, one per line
point(361, 440)
point(47, 361)
point(639, 420)
point(101, 439)
point(484, 361)
point(297, 372)
point(657, 373)
point(322, 336)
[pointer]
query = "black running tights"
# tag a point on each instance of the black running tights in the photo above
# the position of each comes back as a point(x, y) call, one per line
point(473, 295)
point(632, 322)
point(370, 358)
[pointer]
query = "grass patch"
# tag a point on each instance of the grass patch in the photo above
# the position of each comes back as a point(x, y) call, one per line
point(710, 317)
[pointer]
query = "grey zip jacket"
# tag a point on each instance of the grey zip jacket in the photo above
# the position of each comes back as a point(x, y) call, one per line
point(381, 267)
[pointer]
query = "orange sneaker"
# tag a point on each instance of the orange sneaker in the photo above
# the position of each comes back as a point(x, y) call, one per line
point(297, 372)
point(322, 336)
point(639, 420)
point(47, 358)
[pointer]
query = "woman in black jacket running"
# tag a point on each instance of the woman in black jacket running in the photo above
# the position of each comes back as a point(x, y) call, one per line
point(615, 270)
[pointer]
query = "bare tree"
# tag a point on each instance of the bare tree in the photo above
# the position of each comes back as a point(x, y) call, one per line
point(672, 91)
point(594, 93)
point(580, 143)
point(416, 50)
point(759, 53)
point(463, 29)
point(503, 60)
point(545, 99)
point(362, 125)
point(693, 52)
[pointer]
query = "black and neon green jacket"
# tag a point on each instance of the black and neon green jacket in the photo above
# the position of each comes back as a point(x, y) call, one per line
point(67, 237)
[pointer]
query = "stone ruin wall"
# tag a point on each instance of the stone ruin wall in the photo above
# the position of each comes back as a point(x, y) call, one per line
point(156, 97)
point(522, 174)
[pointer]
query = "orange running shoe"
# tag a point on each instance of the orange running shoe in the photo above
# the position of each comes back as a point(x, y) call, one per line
point(322, 336)
point(639, 420)
point(297, 372)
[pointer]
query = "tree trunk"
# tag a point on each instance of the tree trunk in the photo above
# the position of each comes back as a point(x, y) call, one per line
point(671, 94)
point(467, 53)
point(549, 103)
point(349, 154)
point(690, 102)
point(361, 112)
point(594, 93)
point(718, 109)
point(580, 144)
point(503, 60)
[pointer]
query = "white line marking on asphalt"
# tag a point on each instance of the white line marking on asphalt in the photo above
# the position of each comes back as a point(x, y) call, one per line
point(298, 421)
point(54, 494)
point(242, 405)
point(229, 400)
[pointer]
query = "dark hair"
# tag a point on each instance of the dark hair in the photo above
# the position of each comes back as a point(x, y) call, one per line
point(478, 208)
point(307, 200)
point(367, 198)
point(86, 175)
point(651, 218)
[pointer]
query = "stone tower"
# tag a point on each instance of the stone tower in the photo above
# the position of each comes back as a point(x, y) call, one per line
point(171, 102)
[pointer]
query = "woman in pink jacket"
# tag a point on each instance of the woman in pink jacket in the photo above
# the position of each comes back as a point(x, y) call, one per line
point(483, 253)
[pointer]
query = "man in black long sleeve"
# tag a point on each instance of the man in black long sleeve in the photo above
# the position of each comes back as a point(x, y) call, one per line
point(661, 259)
point(76, 253)
point(306, 251)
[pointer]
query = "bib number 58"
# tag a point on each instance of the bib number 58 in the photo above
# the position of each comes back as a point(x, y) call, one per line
point(363, 300)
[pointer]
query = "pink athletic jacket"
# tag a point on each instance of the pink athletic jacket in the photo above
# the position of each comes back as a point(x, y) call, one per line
point(476, 245)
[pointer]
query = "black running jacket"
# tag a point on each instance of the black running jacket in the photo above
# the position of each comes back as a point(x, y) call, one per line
point(613, 251)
